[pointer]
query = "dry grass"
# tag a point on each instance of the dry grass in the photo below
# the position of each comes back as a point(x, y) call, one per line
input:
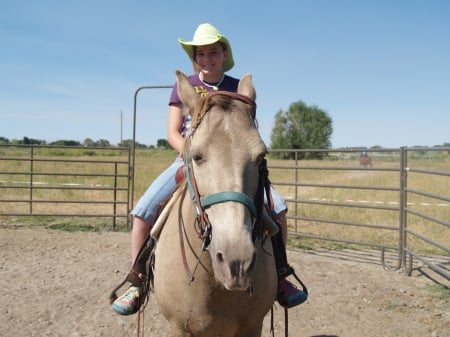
point(354, 205)
point(370, 211)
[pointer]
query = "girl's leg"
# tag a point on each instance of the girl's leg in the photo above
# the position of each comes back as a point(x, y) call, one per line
point(288, 295)
point(143, 220)
point(144, 217)
point(139, 233)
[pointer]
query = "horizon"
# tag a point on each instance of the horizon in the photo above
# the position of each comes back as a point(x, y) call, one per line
point(150, 146)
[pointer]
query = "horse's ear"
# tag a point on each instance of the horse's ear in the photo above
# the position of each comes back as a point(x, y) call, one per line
point(186, 92)
point(246, 87)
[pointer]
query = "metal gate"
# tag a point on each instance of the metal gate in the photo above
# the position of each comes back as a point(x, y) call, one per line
point(401, 202)
point(400, 205)
point(48, 181)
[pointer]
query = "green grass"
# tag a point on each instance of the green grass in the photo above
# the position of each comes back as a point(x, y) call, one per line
point(69, 224)
point(440, 292)
point(70, 227)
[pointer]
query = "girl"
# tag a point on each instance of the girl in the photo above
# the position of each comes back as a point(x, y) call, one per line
point(211, 55)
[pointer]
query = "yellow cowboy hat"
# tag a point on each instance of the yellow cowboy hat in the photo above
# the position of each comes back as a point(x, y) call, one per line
point(207, 34)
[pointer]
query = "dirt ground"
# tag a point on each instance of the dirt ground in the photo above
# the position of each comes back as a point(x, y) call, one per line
point(56, 283)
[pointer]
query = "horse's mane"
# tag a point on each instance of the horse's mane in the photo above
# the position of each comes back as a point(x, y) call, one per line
point(224, 101)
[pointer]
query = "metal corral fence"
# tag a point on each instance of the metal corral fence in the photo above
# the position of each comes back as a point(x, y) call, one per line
point(65, 181)
point(397, 202)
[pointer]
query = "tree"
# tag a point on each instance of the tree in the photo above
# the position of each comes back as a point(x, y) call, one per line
point(64, 142)
point(163, 144)
point(302, 127)
point(31, 141)
point(88, 142)
point(103, 143)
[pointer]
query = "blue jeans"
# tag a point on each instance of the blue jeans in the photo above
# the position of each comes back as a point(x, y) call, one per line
point(161, 188)
point(279, 204)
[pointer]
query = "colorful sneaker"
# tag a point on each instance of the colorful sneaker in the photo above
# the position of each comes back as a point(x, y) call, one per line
point(289, 296)
point(128, 303)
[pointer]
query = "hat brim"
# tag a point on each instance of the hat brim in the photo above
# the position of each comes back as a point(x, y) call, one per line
point(188, 47)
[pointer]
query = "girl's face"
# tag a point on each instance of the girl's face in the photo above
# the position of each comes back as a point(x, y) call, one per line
point(210, 58)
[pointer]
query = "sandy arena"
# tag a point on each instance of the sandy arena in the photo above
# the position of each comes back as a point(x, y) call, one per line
point(57, 283)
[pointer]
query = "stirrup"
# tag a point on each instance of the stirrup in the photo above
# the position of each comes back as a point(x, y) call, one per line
point(287, 271)
point(135, 277)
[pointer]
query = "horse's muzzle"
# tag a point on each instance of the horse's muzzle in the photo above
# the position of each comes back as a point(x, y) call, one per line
point(235, 274)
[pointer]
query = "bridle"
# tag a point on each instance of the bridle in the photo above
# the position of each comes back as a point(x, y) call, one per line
point(201, 203)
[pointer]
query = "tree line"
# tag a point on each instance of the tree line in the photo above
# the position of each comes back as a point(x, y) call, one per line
point(302, 126)
point(88, 142)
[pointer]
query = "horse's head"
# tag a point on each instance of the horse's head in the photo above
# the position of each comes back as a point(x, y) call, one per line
point(224, 152)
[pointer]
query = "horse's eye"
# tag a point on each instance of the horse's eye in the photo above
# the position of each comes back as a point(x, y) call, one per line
point(198, 158)
point(196, 155)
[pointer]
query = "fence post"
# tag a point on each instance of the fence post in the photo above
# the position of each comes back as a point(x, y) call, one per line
point(296, 190)
point(403, 204)
point(31, 177)
point(133, 145)
point(115, 196)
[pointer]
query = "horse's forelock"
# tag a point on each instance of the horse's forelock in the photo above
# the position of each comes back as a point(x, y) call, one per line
point(225, 103)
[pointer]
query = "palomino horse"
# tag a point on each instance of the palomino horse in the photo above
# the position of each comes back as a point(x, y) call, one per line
point(365, 160)
point(214, 271)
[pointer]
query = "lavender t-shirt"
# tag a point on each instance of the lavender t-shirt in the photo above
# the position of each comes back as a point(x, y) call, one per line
point(228, 84)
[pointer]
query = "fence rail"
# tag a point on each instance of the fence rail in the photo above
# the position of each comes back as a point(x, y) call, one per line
point(400, 204)
point(393, 201)
point(32, 179)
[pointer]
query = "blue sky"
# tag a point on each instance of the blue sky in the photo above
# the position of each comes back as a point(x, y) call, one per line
point(380, 69)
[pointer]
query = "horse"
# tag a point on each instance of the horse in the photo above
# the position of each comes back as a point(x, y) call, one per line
point(365, 160)
point(214, 271)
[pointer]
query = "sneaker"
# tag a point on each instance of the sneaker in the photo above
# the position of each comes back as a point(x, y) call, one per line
point(288, 294)
point(128, 303)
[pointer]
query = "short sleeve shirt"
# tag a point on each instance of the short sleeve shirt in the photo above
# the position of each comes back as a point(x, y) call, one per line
point(228, 84)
